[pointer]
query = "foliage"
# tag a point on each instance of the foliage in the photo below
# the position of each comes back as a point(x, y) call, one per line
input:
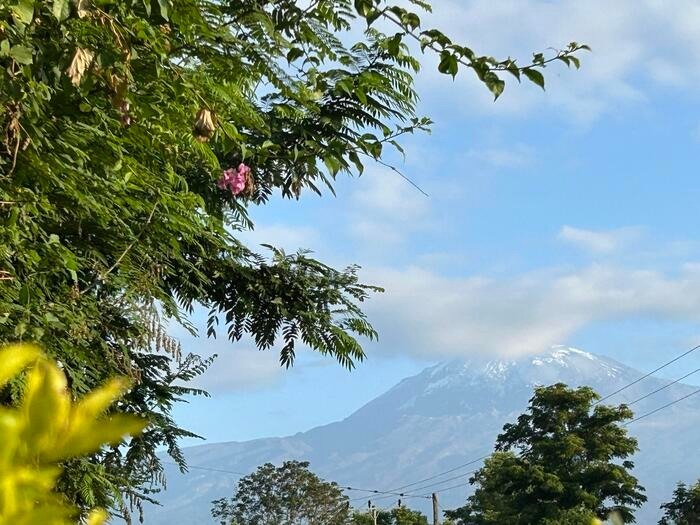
point(565, 459)
point(45, 429)
point(684, 508)
point(406, 516)
point(397, 516)
point(384, 517)
point(289, 494)
point(119, 117)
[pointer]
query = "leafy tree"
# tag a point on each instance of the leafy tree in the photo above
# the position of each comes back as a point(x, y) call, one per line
point(406, 516)
point(397, 516)
point(286, 495)
point(564, 460)
point(684, 508)
point(384, 517)
point(136, 136)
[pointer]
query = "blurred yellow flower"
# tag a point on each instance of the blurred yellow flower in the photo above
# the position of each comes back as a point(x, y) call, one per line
point(46, 428)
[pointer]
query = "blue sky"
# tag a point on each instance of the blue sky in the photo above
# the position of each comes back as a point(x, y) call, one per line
point(563, 217)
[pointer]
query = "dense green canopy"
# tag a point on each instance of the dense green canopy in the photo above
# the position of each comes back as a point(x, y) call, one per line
point(684, 508)
point(565, 461)
point(289, 494)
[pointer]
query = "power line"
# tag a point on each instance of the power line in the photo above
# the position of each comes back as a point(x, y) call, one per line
point(663, 407)
point(451, 488)
point(646, 375)
point(663, 387)
point(650, 413)
point(442, 473)
point(445, 481)
point(373, 491)
point(429, 485)
point(207, 468)
point(371, 498)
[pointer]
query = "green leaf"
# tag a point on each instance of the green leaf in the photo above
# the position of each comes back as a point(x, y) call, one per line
point(164, 6)
point(21, 54)
point(411, 20)
point(332, 163)
point(372, 16)
point(394, 44)
point(23, 12)
point(363, 7)
point(534, 76)
point(423, 5)
point(24, 295)
point(294, 53)
point(355, 159)
point(448, 64)
point(61, 9)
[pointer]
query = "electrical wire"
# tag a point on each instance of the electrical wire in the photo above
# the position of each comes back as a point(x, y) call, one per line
point(663, 387)
point(442, 473)
point(197, 467)
point(646, 375)
point(662, 407)
point(444, 481)
point(373, 491)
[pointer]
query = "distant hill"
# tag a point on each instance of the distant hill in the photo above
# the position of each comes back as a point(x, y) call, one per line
point(443, 417)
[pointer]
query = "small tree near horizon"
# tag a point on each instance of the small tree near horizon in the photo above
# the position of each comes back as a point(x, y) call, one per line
point(684, 508)
point(566, 459)
point(397, 516)
point(290, 494)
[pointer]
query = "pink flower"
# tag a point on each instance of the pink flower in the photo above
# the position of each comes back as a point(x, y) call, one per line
point(243, 170)
point(234, 180)
point(226, 176)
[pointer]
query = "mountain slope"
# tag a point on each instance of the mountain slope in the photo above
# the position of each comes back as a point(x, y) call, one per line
point(446, 416)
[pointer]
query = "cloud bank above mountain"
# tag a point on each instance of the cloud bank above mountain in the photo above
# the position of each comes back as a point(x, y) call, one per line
point(427, 314)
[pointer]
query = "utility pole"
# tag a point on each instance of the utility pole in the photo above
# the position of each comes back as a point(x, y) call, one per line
point(436, 514)
point(372, 512)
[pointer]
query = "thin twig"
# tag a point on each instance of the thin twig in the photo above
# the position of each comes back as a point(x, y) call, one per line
point(102, 276)
point(432, 46)
point(398, 172)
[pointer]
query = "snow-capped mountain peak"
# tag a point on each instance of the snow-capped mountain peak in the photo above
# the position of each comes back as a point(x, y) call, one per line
point(444, 416)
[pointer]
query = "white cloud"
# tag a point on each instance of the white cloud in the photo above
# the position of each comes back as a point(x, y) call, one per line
point(516, 156)
point(600, 241)
point(290, 238)
point(386, 209)
point(426, 314)
point(633, 41)
point(238, 367)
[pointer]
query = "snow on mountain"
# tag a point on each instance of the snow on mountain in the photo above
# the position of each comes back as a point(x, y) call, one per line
point(442, 417)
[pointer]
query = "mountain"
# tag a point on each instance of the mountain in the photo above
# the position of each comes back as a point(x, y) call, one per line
point(443, 417)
